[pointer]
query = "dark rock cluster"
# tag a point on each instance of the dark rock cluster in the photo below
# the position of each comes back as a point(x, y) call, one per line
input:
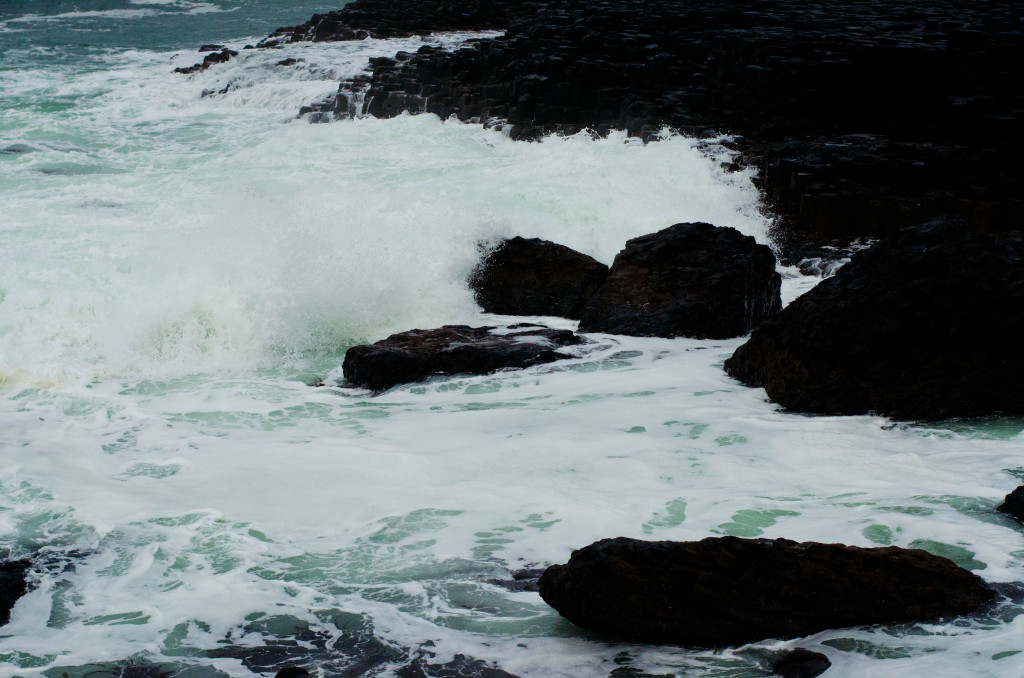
point(452, 349)
point(692, 280)
point(529, 276)
point(212, 58)
point(728, 591)
point(924, 325)
point(864, 116)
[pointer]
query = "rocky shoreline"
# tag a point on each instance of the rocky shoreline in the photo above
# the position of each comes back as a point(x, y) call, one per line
point(862, 117)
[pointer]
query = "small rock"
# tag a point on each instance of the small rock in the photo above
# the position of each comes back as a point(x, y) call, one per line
point(452, 349)
point(536, 277)
point(1014, 504)
point(690, 280)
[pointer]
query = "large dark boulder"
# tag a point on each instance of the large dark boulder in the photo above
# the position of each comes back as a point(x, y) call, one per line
point(691, 280)
point(452, 349)
point(926, 324)
point(1014, 504)
point(728, 591)
point(536, 277)
point(13, 585)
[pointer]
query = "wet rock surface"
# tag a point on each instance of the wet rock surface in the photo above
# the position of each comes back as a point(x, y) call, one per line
point(692, 280)
point(1014, 504)
point(863, 117)
point(453, 349)
point(924, 325)
point(728, 591)
point(213, 58)
point(529, 276)
point(801, 663)
point(13, 585)
point(403, 18)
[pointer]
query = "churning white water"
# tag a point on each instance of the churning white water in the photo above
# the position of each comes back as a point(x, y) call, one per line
point(179, 270)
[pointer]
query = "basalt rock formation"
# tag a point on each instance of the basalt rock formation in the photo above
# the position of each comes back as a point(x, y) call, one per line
point(453, 349)
point(863, 117)
point(924, 325)
point(536, 277)
point(724, 591)
point(692, 280)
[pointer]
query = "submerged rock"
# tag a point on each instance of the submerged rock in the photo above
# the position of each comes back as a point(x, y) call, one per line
point(692, 280)
point(13, 585)
point(729, 591)
point(1014, 504)
point(452, 349)
point(924, 325)
point(536, 277)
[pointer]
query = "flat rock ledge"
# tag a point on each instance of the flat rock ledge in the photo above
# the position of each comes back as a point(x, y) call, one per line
point(453, 349)
point(924, 325)
point(530, 276)
point(726, 591)
point(688, 280)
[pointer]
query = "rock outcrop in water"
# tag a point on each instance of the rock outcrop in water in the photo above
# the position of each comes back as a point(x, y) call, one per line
point(213, 58)
point(863, 117)
point(801, 663)
point(924, 325)
point(13, 585)
point(690, 280)
point(1014, 504)
point(728, 591)
point(536, 277)
point(453, 349)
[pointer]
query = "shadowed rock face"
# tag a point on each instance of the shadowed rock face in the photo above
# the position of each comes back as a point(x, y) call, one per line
point(688, 280)
point(536, 277)
point(13, 585)
point(926, 324)
point(1014, 504)
point(729, 591)
point(452, 349)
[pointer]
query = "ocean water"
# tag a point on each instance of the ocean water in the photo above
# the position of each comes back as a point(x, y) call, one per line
point(180, 272)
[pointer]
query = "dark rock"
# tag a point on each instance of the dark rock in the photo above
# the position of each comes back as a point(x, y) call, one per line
point(210, 48)
point(693, 280)
point(801, 663)
point(1014, 504)
point(291, 672)
point(522, 580)
point(13, 585)
point(211, 59)
point(452, 349)
point(728, 591)
point(536, 277)
point(862, 117)
point(924, 325)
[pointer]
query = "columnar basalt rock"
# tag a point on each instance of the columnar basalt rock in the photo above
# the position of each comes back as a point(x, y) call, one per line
point(453, 349)
point(530, 276)
point(688, 280)
point(724, 591)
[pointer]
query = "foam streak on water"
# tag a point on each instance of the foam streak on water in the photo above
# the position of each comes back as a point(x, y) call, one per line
point(176, 269)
